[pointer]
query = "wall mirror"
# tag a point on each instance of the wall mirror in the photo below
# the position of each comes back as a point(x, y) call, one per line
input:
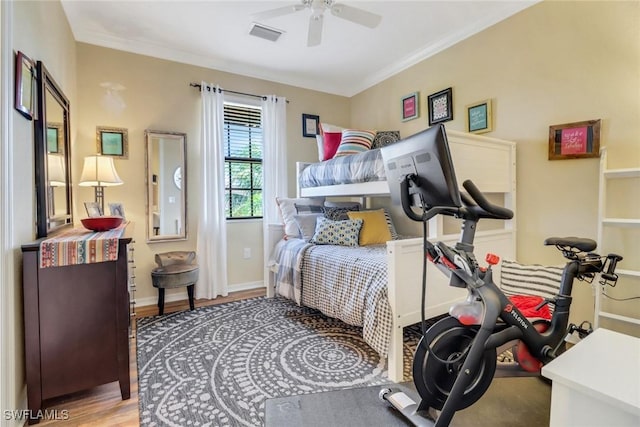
point(166, 186)
point(52, 156)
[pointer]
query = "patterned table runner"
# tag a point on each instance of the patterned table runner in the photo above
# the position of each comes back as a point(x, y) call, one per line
point(80, 246)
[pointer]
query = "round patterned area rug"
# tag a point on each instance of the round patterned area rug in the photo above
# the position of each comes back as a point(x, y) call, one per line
point(217, 365)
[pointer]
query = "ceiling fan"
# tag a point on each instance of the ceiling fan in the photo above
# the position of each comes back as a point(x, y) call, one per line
point(318, 7)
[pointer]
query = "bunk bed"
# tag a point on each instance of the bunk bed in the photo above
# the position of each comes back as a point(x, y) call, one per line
point(490, 164)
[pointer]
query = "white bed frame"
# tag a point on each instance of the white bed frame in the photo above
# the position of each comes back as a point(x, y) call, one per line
point(491, 164)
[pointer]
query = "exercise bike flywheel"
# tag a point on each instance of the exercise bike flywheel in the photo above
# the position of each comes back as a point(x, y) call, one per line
point(438, 361)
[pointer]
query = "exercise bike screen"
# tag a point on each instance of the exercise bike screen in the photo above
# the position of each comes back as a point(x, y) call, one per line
point(425, 155)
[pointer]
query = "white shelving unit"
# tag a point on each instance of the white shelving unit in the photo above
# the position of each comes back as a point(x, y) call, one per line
point(606, 175)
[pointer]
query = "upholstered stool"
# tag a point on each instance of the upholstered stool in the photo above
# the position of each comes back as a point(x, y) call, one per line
point(175, 269)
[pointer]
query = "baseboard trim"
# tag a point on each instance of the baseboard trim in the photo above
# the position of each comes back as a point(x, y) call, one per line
point(181, 294)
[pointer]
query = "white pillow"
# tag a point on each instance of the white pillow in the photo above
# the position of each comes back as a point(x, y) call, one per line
point(320, 142)
point(288, 212)
point(326, 127)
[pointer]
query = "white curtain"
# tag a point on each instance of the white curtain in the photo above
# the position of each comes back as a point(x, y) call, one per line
point(274, 163)
point(212, 225)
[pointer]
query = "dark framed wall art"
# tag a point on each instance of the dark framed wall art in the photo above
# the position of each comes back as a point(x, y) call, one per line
point(574, 140)
point(310, 125)
point(25, 86)
point(440, 106)
point(112, 142)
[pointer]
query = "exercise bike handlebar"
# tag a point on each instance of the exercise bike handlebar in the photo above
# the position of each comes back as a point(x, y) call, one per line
point(483, 209)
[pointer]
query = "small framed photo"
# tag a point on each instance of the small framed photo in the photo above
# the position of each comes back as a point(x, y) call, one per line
point(440, 106)
point(93, 209)
point(25, 86)
point(479, 117)
point(410, 107)
point(574, 140)
point(116, 209)
point(112, 142)
point(310, 125)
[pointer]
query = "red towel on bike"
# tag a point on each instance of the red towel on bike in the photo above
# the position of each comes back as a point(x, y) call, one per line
point(527, 305)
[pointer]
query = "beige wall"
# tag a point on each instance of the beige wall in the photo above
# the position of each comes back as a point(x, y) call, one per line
point(158, 97)
point(556, 62)
point(41, 31)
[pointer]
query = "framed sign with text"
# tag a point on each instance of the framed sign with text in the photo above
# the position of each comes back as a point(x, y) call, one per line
point(574, 140)
point(410, 107)
point(479, 117)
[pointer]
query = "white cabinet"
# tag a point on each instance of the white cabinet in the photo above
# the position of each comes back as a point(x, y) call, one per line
point(607, 223)
point(597, 382)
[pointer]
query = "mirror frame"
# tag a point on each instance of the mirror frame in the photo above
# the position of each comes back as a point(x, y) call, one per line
point(43, 220)
point(151, 238)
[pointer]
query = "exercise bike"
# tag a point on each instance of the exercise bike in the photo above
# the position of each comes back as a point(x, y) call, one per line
point(456, 358)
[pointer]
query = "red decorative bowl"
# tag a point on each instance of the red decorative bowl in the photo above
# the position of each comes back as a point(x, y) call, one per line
point(102, 223)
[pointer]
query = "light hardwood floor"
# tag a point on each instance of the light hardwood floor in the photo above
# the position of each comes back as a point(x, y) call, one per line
point(103, 405)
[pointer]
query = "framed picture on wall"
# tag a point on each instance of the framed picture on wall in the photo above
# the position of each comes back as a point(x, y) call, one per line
point(25, 86)
point(440, 106)
point(574, 140)
point(479, 117)
point(112, 142)
point(310, 125)
point(410, 107)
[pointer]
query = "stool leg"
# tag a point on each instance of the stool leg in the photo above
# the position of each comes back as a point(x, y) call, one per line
point(161, 301)
point(190, 293)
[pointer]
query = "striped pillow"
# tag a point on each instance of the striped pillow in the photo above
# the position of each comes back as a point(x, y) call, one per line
point(392, 228)
point(520, 279)
point(355, 141)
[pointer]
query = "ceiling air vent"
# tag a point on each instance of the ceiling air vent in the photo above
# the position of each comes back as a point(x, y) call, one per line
point(265, 32)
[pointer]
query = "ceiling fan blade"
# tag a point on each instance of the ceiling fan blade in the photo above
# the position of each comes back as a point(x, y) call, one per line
point(354, 14)
point(315, 30)
point(285, 10)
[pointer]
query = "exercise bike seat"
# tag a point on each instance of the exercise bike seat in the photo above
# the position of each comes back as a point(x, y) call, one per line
point(579, 243)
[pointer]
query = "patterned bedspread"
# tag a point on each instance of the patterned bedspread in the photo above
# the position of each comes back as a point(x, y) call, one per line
point(362, 167)
point(347, 283)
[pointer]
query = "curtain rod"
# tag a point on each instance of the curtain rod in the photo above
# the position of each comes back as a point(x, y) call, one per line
point(264, 98)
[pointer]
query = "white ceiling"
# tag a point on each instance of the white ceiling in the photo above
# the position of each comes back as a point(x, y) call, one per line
point(351, 58)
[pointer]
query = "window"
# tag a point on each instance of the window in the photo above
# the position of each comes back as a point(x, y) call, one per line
point(243, 161)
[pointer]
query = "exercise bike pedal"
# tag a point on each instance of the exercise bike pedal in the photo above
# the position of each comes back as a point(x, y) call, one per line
point(408, 407)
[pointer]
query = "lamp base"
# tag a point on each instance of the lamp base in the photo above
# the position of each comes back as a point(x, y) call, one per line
point(99, 192)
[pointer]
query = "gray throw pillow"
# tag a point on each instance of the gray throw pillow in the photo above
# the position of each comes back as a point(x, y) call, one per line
point(307, 224)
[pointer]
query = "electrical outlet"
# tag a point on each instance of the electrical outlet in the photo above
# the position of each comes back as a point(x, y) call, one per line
point(247, 253)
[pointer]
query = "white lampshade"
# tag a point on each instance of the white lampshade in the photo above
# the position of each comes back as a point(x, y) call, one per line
point(99, 171)
point(55, 170)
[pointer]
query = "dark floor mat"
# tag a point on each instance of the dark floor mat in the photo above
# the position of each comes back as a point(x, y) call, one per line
point(508, 402)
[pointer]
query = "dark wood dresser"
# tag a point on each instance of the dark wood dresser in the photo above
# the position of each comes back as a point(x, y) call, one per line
point(76, 321)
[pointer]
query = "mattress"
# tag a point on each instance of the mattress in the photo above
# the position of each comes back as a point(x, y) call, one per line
point(353, 169)
point(347, 283)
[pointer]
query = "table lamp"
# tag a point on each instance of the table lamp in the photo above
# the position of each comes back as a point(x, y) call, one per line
point(99, 172)
point(56, 177)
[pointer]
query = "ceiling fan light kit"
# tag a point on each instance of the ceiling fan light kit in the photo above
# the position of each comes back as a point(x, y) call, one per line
point(318, 7)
